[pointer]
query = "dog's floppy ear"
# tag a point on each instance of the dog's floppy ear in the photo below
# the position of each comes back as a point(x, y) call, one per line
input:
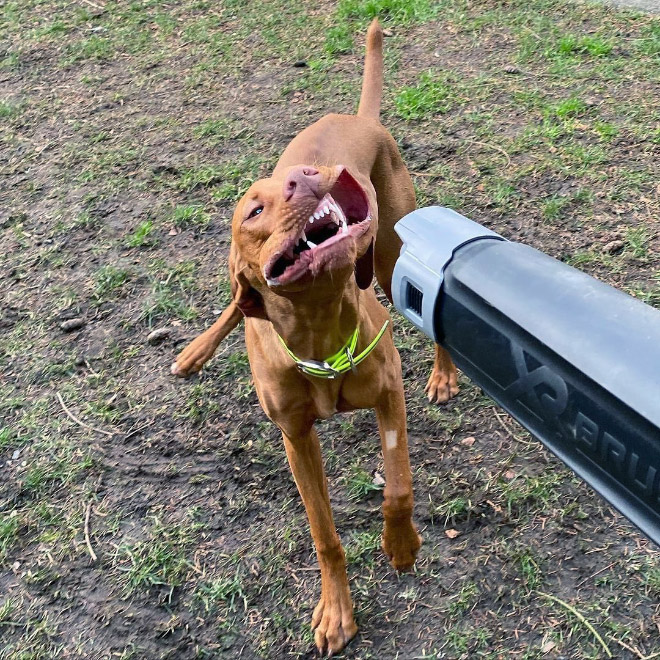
point(364, 267)
point(245, 297)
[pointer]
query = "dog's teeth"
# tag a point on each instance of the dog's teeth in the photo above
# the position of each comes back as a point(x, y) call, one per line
point(317, 215)
point(303, 236)
point(311, 245)
point(344, 227)
point(311, 219)
point(326, 209)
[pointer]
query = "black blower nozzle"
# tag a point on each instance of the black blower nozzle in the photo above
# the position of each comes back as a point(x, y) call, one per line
point(574, 360)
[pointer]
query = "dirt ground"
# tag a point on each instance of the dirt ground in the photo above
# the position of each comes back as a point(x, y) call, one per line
point(146, 517)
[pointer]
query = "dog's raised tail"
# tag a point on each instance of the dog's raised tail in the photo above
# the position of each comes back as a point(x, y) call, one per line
point(372, 83)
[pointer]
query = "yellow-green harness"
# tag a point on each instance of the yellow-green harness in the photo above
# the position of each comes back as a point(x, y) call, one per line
point(339, 363)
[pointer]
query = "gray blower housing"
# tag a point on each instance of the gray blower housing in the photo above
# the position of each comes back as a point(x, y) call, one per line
point(574, 360)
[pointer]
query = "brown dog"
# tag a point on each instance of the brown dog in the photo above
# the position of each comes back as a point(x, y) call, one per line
point(305, 243)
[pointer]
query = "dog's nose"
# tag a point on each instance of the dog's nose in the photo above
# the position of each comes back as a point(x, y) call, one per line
point(303, 180)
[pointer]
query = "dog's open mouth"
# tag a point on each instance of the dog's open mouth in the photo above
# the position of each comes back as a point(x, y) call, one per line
point(342, 215)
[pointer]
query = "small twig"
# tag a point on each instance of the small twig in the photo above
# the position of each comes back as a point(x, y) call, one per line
point(653, 655)
point(630, 648)
point(92, 554)
point(431, 174)
point(581, 582)
point(93, 4)
point(76, 420)
point(580, 618)
point(492, 146)
point(504, 425)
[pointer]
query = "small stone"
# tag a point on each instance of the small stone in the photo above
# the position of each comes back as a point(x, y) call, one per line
point(613, 247)
point(158, 335)
point(378, 479)
point(388, 33)
point(15, 566)
point(72, 324)
point(452, 533)
point(468, 442)
point(300, 64)
point(16, 454)
point(511, 70)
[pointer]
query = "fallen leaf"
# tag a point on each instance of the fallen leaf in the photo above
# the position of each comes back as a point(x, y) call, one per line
point(509, 474)
point(468, 442)
point(452, 533)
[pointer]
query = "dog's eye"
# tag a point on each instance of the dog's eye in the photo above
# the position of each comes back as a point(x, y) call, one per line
point(256, 211)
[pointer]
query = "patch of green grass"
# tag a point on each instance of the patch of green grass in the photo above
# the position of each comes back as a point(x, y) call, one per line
point(552, 207)
point(159, 560)
point(361, 547)
point(502, 194)
point(399, 11)
point(637, 240)
point(530, 569)
point(202, 176)
point(570, 107)
point(580, 160)
point(142, 236)
point(191, 216)
point(6, 438)
point(648, 293)
point(649, 41)
point(576, 45)
point(534, 492)
point(339, 39)
point(651, 580)
point(605, 130)
point(455, 507)
point(463, 639)
point(359, 483)
point(464, 600)
point(108, 279)
point(215, 130)
point(172, 292)
point(589, 258)
point(92, 48)
point(435, 93)
point(201, 402)
point(9, 110)
point(225, 591)
point(57, 464)
point(9, 526)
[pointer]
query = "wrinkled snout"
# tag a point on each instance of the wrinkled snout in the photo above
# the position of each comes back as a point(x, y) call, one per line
point(301, 182)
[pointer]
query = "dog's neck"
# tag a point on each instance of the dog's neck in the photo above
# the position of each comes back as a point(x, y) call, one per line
point(315, 327)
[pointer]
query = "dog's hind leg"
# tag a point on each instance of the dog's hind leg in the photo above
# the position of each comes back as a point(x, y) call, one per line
point(396, 199)
point(332, 620)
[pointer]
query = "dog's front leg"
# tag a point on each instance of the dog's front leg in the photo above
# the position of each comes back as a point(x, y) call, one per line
point(333, 617)
point(400, 538)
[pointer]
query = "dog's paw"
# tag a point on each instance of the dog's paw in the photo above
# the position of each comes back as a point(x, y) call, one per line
point(401, 543)
point(192, 358)
point(442, 384)
point(332, 621)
